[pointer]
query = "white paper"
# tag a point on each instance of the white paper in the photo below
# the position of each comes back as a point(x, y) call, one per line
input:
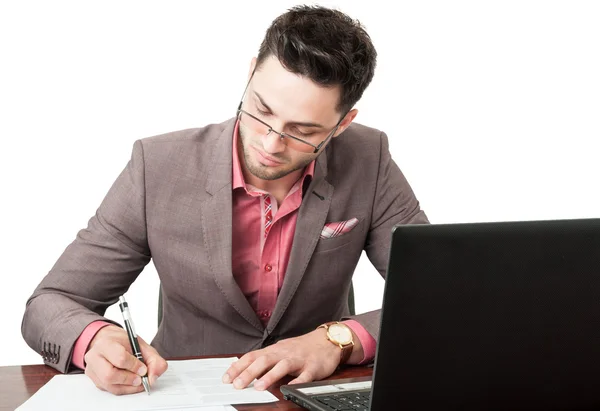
point(187, 384)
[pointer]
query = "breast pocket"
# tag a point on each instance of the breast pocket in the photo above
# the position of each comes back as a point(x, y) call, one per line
point(333, 243)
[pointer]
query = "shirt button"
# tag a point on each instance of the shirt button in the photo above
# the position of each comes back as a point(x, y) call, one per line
point(268, 268)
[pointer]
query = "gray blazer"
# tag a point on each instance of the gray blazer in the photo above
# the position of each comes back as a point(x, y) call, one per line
point(172, 203)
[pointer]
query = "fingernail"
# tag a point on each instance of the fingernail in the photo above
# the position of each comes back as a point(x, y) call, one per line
point(259, 385)
point(226, 379)
point(152, 379)
point(137, 381)
point(142, 371)
point(237, 383)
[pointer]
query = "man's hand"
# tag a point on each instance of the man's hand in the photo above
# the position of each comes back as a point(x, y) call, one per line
point(113, 368)
point(309, 357)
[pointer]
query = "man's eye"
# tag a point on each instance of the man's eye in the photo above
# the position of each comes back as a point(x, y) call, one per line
point(262, 112)
point(304, 134)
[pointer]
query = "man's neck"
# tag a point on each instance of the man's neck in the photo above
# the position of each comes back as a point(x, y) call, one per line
point(277, 188)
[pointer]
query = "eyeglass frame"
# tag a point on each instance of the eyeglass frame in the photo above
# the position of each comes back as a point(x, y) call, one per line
point(283, 134)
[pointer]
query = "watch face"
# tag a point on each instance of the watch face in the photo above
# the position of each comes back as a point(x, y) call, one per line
point(340, 333)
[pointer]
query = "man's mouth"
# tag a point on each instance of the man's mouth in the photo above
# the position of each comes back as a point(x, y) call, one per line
point(267, 160)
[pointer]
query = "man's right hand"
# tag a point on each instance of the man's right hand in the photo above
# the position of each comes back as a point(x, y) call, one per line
point(111, 365)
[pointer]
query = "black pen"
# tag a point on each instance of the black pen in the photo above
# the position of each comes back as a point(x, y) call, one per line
point(133, 340)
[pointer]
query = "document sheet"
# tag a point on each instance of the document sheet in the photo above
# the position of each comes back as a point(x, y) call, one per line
point(187, 384)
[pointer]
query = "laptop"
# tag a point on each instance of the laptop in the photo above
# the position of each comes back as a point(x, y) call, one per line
point(479, 316)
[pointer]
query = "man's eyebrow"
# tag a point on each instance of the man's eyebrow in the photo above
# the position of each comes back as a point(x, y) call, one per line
point(295, 123)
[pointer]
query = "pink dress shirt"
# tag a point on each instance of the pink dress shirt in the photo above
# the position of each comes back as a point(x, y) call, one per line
point(259, 261)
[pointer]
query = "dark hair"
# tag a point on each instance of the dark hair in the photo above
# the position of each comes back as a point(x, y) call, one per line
point(324, 45)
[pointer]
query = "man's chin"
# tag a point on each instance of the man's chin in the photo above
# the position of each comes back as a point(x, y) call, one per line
point(268, 173)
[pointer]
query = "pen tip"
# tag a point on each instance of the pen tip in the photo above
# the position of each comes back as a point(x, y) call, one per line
point(146, 385)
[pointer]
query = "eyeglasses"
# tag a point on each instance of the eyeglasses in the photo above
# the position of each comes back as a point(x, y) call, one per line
point(261, 128)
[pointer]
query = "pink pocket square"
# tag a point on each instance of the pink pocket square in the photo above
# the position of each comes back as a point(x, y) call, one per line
point(336, 229)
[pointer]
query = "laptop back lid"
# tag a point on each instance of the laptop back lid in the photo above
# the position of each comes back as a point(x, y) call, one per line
point(491, 316)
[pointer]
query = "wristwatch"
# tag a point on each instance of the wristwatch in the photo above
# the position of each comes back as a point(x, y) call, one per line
point(340, 335)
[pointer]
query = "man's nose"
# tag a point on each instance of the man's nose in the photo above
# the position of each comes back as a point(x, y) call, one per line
point(273, 143)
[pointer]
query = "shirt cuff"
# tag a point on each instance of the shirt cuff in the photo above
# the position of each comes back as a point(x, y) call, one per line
point(369, 345)
point(84, 340)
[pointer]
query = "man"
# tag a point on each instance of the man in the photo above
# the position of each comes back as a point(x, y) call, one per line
point(255, 227)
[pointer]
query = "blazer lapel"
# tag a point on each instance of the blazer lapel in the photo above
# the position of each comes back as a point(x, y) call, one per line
point(217, 225)
point(311, 219)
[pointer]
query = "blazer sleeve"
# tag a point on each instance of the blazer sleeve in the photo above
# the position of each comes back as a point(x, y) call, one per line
point(394, 203)
point(98, 266)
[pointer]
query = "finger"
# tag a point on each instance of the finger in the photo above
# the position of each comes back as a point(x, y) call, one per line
point(100, 376)
point(91, 360)
point(92, 376)
point(156, 364)
point(281, 369)
point(124, 389)
point(111, 375)
point(117, 355)
point(305, 376)
point(257, 368)
point(240, 365)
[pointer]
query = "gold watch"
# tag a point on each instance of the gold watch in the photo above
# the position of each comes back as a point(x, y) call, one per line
point(340, 335)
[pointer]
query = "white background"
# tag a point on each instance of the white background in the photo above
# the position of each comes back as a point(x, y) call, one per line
point(492, 110)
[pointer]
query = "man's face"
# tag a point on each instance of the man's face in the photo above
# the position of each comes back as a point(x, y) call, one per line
point(291, 104)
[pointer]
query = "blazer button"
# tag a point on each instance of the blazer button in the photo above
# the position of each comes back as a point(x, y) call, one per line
point(44, 352)
point(270, 340)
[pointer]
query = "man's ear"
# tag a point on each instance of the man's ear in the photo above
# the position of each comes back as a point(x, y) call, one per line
point(252, 67)
point(346, 122)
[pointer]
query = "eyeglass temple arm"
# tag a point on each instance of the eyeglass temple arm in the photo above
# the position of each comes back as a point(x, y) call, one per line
point(317, 148)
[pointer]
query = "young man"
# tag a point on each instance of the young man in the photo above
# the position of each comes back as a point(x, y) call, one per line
point(255, 226)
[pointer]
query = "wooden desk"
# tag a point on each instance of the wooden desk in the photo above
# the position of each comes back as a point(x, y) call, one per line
point(19, 383)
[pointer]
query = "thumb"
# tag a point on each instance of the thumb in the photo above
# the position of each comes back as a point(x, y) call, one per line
point(156, 364)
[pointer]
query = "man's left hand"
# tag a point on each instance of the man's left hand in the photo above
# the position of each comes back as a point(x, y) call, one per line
point(309, 357)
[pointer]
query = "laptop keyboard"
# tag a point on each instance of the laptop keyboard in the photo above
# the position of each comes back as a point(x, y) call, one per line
point(355, 400)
